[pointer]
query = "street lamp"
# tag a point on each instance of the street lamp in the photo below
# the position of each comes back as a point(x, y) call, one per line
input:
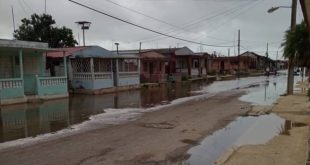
point(290, 77)
point(84, 26)
point(276, 8)
point(116, 47)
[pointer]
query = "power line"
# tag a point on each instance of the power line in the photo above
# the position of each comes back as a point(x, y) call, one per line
point(165, 22)
point(142, 27)
point(204, 19)
point(26, 4)
point(224, 13)
point(138, 12)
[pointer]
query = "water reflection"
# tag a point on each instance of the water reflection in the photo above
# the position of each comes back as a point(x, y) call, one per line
point(20, 121)
point(29, 120)
point(243, 131)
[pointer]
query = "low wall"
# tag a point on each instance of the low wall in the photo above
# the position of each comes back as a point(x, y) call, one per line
point(11, 91)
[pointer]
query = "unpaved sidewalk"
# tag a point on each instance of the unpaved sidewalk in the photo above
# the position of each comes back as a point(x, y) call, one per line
point(290, 147)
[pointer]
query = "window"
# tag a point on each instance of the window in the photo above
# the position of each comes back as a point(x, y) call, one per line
point(128, 65)
point(81, 65)
point(102, 65)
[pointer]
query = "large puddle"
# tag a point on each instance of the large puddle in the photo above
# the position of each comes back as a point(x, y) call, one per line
point(29, 120)
point(242, 131)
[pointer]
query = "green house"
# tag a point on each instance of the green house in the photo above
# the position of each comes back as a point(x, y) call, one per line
point(22, 73)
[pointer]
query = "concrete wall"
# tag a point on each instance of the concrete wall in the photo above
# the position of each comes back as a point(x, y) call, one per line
point(125, 79)
point(92, 84)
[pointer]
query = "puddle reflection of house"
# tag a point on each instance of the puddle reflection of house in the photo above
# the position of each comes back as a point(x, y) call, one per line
point(130, 99)
point(20, 121)
point(153, 96)
point(83, 106)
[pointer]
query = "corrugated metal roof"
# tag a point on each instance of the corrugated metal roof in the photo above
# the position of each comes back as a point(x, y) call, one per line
point(152, 55)
point(93, 52)
point(88, 52)
point(65, 51)
point(18, 44)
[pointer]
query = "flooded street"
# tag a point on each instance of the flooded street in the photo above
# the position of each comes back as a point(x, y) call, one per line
point(242, 131)
point(176, 124)
point(29, 120)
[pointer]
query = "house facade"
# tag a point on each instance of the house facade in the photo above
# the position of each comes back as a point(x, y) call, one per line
point(152, 67)
point(230, 65)
point(22, 73)
point(183, 63)
point(95, 70)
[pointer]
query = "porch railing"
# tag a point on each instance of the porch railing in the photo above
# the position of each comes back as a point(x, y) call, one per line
point(48, 86)
point(83, 76)
point(89, 76)
point(11, 83)
point(103, 76)
point(128, 74)
point(52, 81)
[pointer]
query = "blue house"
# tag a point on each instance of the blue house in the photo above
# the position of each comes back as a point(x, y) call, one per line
point(95, 70)
point(22, 73)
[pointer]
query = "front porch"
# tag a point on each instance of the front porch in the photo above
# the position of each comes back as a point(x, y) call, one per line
point(22, 73)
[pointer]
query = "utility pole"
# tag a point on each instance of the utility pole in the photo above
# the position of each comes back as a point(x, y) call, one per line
point(267, 56)
point(45, 7)
point(228, 52)
point(290, 77)
point(13, 18)
point(238, 54)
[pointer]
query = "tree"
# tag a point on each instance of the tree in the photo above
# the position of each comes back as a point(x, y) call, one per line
point(297, 44)
point(41, 28)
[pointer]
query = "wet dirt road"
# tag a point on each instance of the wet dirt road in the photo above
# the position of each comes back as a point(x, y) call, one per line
point(155, 137)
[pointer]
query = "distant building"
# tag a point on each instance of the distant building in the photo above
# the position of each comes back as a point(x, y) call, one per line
point(183, 63)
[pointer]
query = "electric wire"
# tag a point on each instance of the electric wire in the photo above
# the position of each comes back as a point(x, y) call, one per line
point(145, 28)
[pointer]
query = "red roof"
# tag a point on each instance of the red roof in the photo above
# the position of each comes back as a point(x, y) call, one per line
point(152, 55)
point(64, 51)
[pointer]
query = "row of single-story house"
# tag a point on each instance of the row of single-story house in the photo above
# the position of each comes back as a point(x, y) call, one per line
point(31, 70)
point(247, 62)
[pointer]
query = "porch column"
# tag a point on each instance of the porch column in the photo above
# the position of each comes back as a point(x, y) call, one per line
point(21, 64)
point(139, 65)
point(189, 66)
point(65, 65)
point(92, 69)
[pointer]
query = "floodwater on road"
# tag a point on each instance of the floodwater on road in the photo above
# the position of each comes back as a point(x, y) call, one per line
point(244, 130)
point(29, 120)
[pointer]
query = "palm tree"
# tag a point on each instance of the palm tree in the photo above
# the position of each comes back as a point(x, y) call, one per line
point(297, 44)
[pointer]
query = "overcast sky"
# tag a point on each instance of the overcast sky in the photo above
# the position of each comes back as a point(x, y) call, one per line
point(213, 22)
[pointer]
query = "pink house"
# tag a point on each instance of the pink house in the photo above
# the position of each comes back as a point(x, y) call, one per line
point(152, 67)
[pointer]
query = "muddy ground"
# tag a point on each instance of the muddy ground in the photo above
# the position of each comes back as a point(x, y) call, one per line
point(153, 138)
